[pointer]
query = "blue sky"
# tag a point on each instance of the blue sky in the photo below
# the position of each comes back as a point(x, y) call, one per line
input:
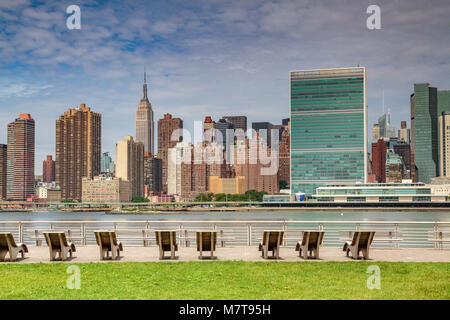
point(207, 57)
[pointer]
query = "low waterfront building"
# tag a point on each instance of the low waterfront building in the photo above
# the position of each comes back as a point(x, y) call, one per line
point(440, 186)
point(378, 192)
point(234, 185)
point(277, 198)
point(105, 188)
point(161, 198)
point(48, 191)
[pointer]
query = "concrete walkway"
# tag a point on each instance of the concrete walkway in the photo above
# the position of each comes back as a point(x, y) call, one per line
point(151, 254)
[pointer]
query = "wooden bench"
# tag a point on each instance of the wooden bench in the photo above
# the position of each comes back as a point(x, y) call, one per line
point(221, 237)
point(37, 235)
point(383, 236)
point(439, 237)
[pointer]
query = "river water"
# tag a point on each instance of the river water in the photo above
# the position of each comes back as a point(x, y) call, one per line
point(414, 235)
point(425, 216)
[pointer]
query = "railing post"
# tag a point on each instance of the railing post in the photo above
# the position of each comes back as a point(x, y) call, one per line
point(249, 234)
point(284, 231)
point(437, 245)
point(396, 244)
point(147, 232)
point(180, 234)
point(20, 232)
point(83, 233)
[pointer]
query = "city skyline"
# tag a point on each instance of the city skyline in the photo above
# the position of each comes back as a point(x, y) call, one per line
point(213, 60)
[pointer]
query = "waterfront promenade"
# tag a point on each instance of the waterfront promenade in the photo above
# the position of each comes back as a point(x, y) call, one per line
point(90, 253)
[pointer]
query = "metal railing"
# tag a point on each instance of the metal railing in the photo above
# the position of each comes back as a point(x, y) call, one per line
point(233, 232)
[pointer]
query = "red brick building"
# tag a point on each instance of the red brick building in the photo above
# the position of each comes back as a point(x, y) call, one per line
point(166, 126)
point(284, 169)
point(379, 160)
point(248, 164)
point(48, 170)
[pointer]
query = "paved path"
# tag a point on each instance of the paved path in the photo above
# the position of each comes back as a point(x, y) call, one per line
point(148, 254)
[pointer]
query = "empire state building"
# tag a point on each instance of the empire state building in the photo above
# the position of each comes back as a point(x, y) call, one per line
point(144, 121)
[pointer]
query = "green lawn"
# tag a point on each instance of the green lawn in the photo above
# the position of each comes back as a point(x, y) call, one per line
point(226, 280)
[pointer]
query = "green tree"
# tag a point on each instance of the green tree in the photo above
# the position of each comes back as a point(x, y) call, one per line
point(204, 197)
point(139, 199)
point(283, 184)
point(220, 197)
point(253, 195)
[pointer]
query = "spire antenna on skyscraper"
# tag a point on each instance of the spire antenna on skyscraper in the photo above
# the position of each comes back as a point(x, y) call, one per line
point(145, 98)
point(144, 119)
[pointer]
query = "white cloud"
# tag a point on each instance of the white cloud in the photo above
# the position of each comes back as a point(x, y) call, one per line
point(211, 57)
point(23, 90)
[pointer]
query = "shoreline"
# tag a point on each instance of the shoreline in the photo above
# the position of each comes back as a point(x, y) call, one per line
point(188, 210)
point(288, 209)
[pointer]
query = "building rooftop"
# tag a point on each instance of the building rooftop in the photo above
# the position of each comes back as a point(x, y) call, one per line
point(24, 116)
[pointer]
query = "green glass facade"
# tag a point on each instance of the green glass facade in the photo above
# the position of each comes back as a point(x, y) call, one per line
point(425, 132)
point(328, 128)
point(427, 103)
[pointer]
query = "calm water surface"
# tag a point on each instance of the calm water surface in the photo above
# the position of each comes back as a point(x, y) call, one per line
point(259, 215)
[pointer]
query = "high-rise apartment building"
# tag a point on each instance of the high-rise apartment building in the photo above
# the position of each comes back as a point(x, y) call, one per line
point(264, 131)
point(190, 168)
point(107, 163)
point(248, 164)
point(226, 130)
point(284, 167)
point(394, 168)
point(379, 150)
point(177, 155)
point(166, 126)
point(328, 128)
point(239, 122)
point(152, 173)
point(404, 133)
point(48, 170)
point(144, 121)
point(376, 132)
point(404, 151)
point(78, 149)
point(444, 144)
point(443, 111)
point(3, 169)
point(130, 164)
point(20, 155)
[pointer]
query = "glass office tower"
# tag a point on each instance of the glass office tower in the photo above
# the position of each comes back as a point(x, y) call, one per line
point(424, 130)
point(328, 128)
